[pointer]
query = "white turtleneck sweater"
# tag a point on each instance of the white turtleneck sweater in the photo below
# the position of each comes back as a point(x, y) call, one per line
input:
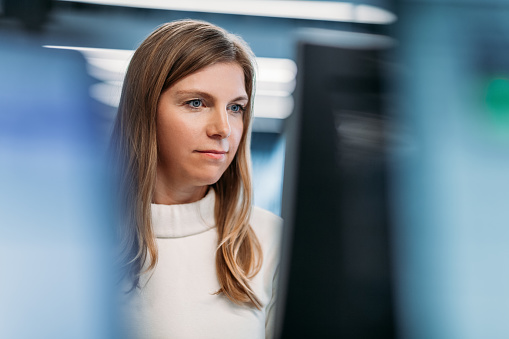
point(177, 300)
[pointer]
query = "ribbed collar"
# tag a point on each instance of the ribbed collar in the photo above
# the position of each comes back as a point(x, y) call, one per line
point(176, 221)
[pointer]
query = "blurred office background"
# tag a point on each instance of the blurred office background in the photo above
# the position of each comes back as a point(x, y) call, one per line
point(441, 127)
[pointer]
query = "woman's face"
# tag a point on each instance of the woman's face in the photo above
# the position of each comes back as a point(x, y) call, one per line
point(199, 127)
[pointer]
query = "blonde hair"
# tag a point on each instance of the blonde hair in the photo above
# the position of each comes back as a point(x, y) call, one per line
point(173, 51)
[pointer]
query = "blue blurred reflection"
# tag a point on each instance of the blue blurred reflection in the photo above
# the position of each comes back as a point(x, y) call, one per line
point(452, 178)
point(55, 240)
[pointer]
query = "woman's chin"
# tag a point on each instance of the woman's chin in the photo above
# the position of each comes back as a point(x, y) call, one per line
point(208, 180)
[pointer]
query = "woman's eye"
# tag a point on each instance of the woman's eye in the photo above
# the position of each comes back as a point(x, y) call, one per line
point(196, 103)
point(236, 108)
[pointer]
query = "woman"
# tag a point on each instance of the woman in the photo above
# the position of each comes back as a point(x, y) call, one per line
point(201, 261)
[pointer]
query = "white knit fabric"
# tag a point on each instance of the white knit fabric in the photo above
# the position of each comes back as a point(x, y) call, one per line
point(177, 300)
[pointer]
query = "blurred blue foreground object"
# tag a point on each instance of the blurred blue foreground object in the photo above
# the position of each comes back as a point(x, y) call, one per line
point(55, 238)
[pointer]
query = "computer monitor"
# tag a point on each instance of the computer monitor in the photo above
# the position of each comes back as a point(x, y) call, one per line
point(336, 274)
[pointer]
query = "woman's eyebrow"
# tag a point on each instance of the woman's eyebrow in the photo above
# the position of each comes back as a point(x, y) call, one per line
point(206, 95)
point(194, 93)
point(241, 98)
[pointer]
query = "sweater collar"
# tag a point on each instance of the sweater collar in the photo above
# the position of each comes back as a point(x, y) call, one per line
point(176, 221)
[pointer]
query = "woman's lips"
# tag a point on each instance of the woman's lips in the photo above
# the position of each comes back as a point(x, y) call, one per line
point(213, 154)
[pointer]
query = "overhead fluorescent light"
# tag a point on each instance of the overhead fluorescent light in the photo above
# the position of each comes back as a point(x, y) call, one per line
point(291, 9)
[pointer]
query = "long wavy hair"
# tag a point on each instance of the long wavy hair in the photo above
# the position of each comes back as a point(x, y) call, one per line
point(172, 52)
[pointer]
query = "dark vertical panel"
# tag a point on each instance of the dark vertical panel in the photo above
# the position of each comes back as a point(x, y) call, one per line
point(336, 276)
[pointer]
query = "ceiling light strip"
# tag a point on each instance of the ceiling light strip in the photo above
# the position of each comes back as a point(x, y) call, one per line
point(291, 9)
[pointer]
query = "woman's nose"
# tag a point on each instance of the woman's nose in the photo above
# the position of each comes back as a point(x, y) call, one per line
point(219, 126)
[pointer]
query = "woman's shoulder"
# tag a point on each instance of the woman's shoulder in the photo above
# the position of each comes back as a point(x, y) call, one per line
point(266, 224)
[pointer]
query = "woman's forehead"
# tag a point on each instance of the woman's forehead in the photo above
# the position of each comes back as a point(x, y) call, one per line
point(217, 79)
